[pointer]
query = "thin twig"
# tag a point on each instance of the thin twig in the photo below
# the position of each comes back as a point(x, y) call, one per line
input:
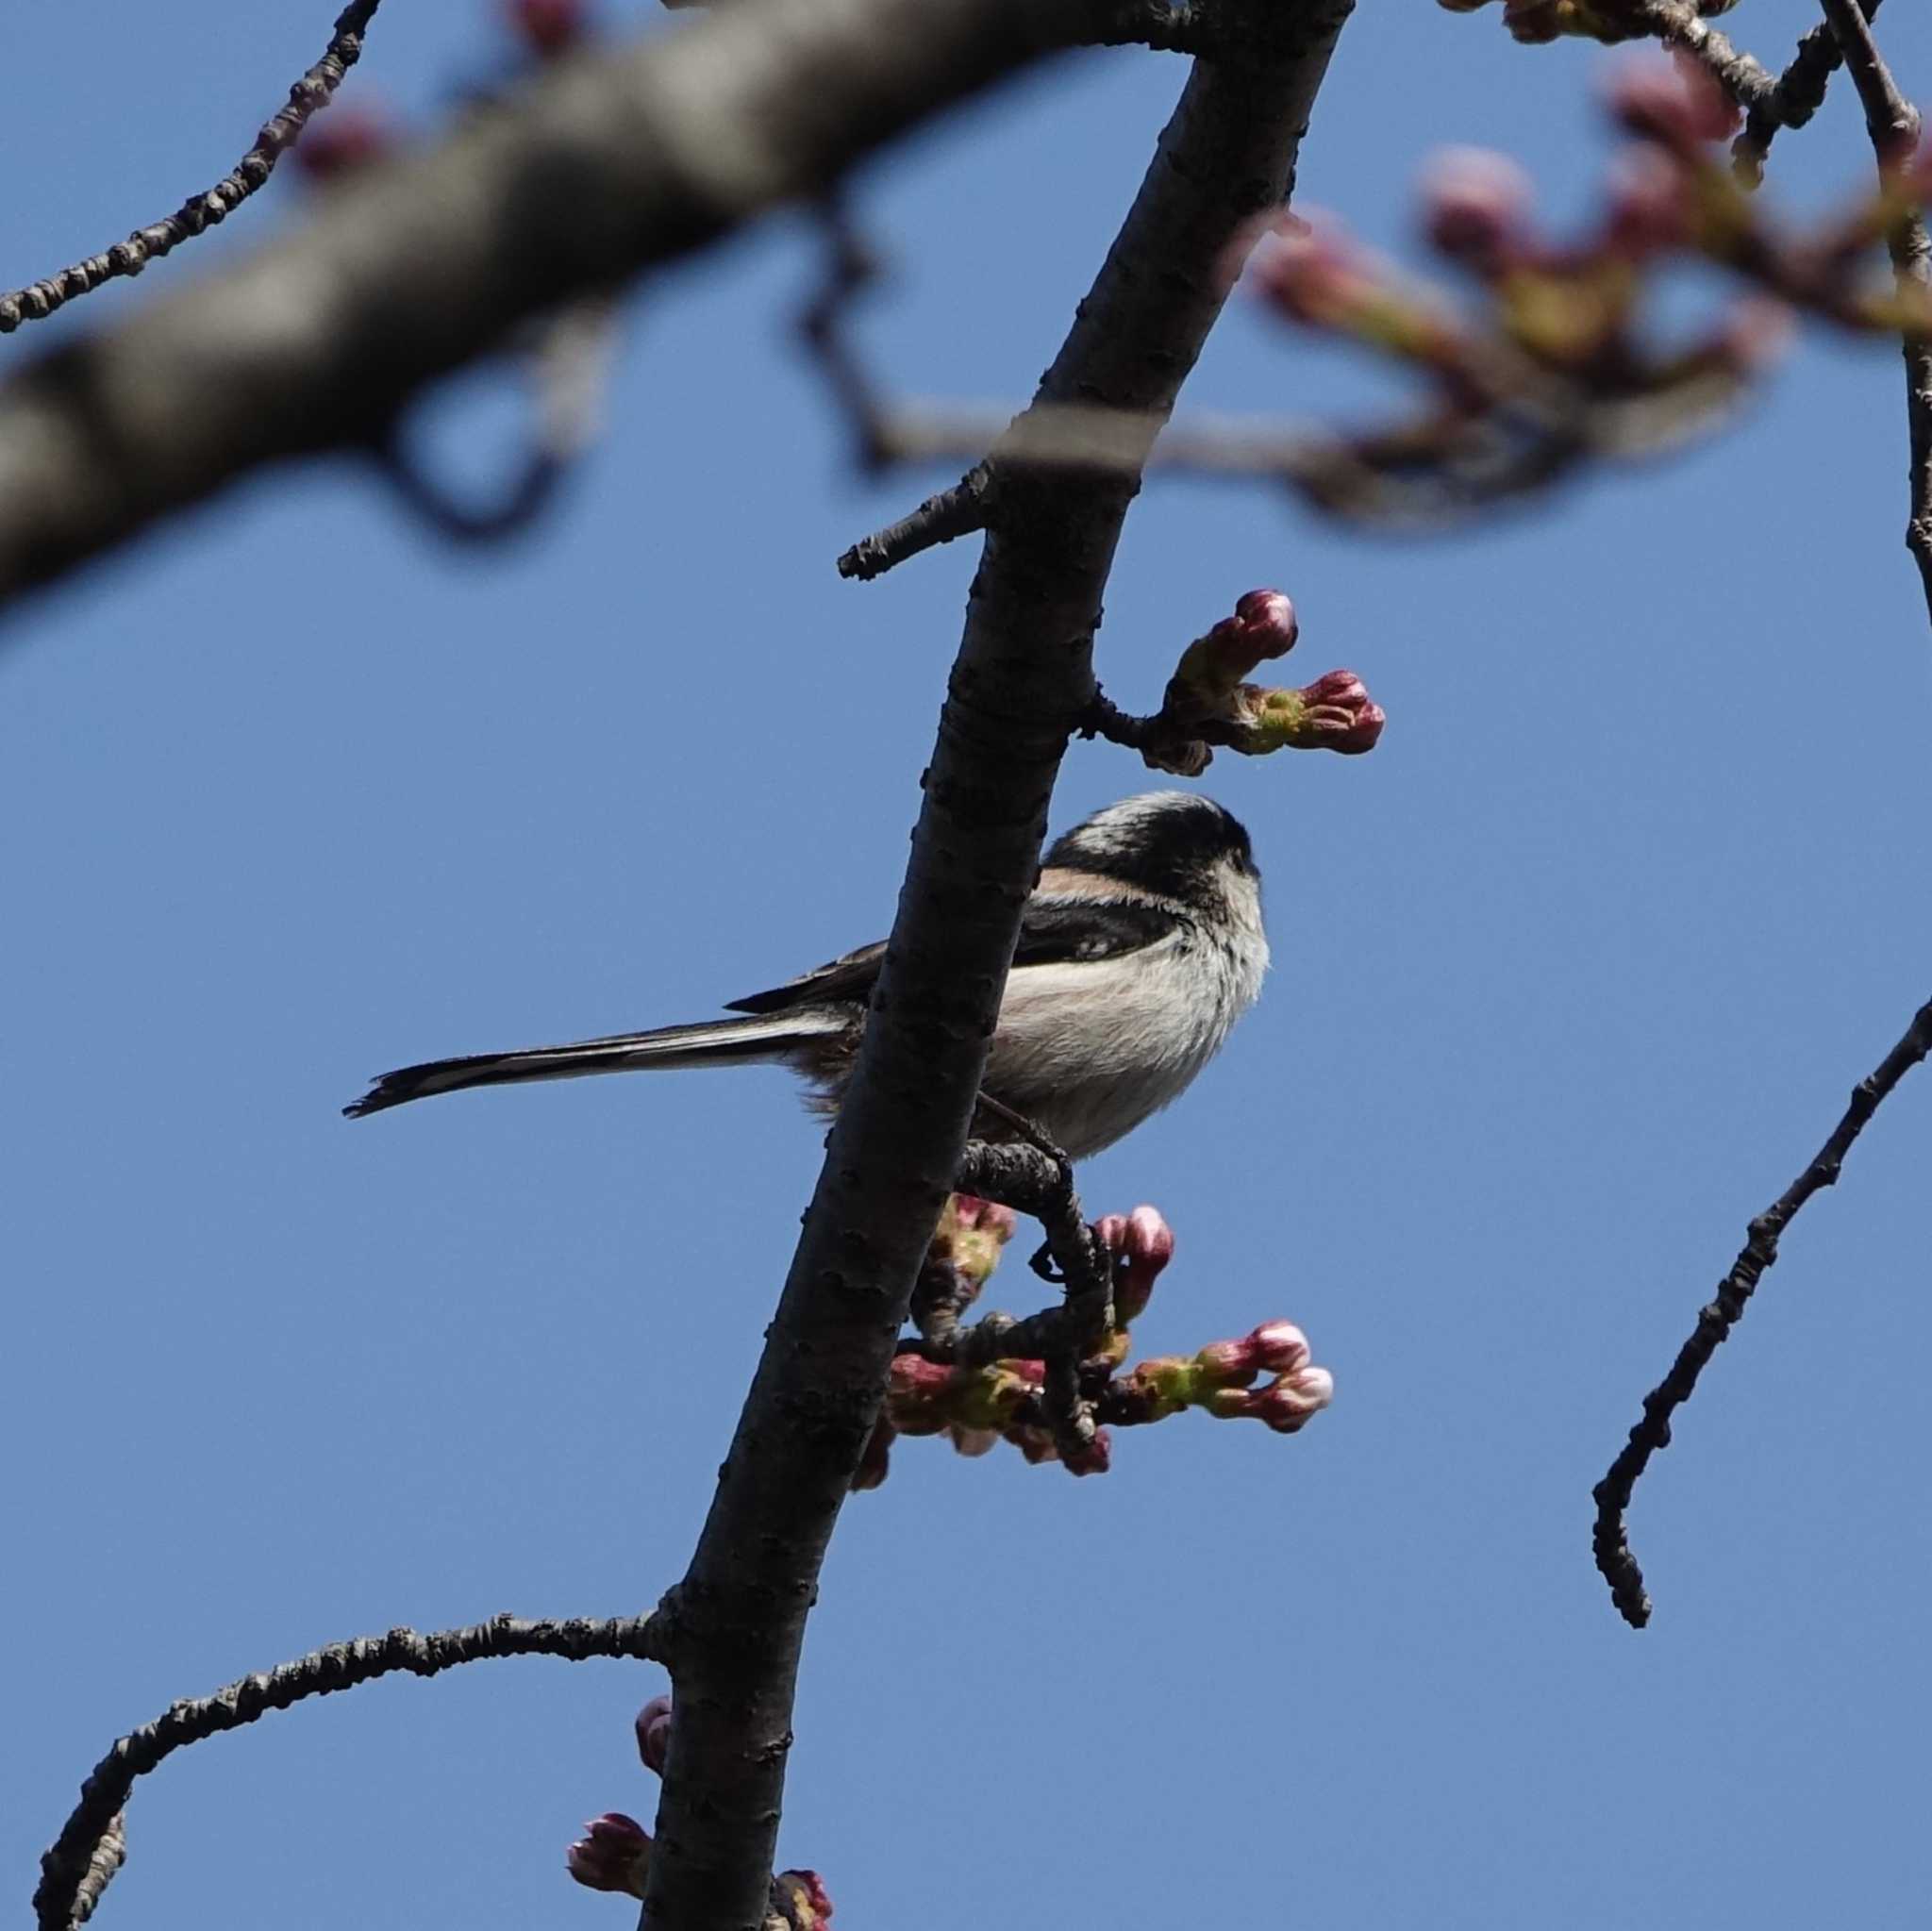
point(1719, 1316)
point(200, 212)
point(1892, 123)
point(1798, 95)
point(90, 1848)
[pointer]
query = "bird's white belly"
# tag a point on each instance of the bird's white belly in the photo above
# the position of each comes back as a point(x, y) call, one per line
point(1089, 1049)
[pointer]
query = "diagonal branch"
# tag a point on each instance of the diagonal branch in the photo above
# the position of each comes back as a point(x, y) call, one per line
point(419, 266)
point(1894, 125)
point(1719, 1316)
point(200, 212)
point(90, 1846)
point(1798, 95)
point(1021, 684)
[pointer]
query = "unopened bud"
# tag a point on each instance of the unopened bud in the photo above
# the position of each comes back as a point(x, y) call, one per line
point(1278, 1347)
point(547, 26)
point(653, 1733)
point(1315, 271)
point(1334, 713)
point(1141, 1243)
point(1091, 1457)
point(1675, 103)
point(799, 1901)
point(1289, 1404)
point(1653, 204)
point(1475, 207)
point(613, 1854)
point(349, 136)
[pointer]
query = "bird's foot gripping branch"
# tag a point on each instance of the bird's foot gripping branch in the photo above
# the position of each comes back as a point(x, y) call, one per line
point(1054, 1383)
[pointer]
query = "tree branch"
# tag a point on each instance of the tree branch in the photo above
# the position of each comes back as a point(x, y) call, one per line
point(416, 267)
point(1022, 682)
point(1719, 1316)
point(1892, 123)
point(200, 212)
point(1798, 95)
point(90, 1846)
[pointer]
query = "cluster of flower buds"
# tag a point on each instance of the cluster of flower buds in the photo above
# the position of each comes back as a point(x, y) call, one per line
point(1209, 702)
point(1556, 369)
point(979, 1405)
point(1534, 21)
point(615, 1853)
point(1221, 1379)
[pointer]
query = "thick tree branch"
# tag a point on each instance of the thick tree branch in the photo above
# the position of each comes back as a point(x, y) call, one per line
point(1720, 1315)
point(90, 1846)
point(1022, 682)
point(603, 167)
point(1892, 123)
point(202, 212)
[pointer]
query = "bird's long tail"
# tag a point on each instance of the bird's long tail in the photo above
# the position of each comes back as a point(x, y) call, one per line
point(715, 1042)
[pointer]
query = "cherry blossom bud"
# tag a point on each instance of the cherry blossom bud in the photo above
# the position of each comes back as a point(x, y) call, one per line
point(970, 1233)
point(974, 1441)
point(1475, 208)
point(613, 1854)
point(1278, 1347)
point(1265, 624)
point(1141, 1243)
point(1092, 1459)
point(547, 26)
point(799, 1901)
point(348, 136)
point(1289, 1404)
point(653, 1733)
point(1315, 271)
point(1653, 204)
point(1676, 104)
point(1334, 713)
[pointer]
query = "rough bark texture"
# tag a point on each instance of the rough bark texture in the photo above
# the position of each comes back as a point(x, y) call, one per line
point(1023, 679)
point(611, 164)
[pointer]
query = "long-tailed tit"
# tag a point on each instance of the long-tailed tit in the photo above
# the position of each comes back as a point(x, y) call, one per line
point(1139, 949)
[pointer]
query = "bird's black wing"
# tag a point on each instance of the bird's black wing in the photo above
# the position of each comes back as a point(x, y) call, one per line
point(1051, 931)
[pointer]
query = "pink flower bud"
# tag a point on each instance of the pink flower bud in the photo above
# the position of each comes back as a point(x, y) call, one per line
point(802, 1899)
point(1671, 102)
point(653, 1733)
point(547, 26)
point(348, 136)
point(1653, 204)
point(989, 1215)
point(1225, 1363)
point(1289, 1404)
point(613, 1854)
point(1141, 1243)
point(1267, 624)
point(1341, 716)
point(1475, 208)
point(1278, 1347)
point(1095, 1459)
point(1313, 270)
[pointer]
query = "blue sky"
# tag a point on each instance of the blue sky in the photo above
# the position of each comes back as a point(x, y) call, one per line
point(1572, 975)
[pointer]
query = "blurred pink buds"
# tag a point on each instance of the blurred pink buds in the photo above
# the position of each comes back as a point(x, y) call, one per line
point(1653, 204)
point(653, 1733)
point(613, 1854)
point(349, 136)
point(547, 27)
point(1673, 102)
point(1142, 1245)
point(1475, 208)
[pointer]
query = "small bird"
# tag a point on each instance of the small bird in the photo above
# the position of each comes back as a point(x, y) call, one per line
point(1139, 949)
